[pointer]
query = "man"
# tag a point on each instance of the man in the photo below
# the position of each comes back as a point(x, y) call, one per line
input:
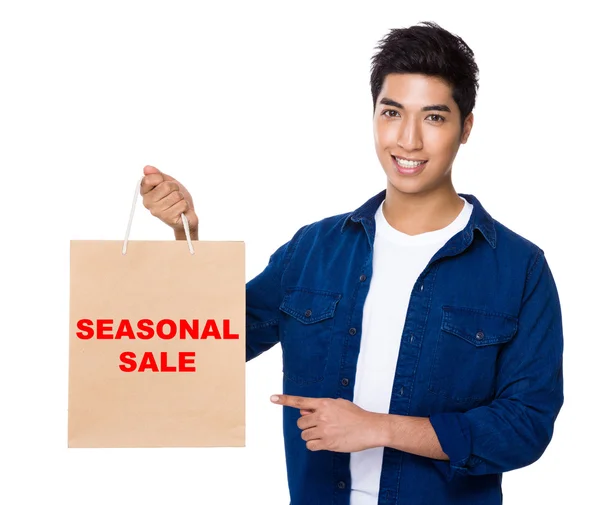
point(422, 339)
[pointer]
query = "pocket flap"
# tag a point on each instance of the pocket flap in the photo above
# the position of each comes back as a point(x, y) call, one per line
point(309, 305)
point(479, 327)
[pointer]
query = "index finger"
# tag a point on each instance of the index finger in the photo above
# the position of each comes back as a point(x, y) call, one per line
point(298, 402)
point(149, 182)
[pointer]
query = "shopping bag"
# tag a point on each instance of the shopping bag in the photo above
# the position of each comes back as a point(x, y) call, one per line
point(157, 343)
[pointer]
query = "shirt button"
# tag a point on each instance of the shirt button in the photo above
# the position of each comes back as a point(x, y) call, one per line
point(363, 278)
point(402, 391)
point(308, 313)
point(479, 335)
point(421, 287)
point(352, 331)
point(345, 381)
point(341, 484)
point(412, 338)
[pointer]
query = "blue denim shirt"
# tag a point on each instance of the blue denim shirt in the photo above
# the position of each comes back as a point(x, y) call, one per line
point(481, 354)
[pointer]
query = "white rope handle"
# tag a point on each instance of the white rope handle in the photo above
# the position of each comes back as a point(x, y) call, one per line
point(186, 225)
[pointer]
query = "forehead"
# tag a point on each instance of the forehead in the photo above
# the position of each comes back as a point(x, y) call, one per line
point(416, 90)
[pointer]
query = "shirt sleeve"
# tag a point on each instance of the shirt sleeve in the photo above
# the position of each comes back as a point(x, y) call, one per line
point(263, 297)
point(513, 430)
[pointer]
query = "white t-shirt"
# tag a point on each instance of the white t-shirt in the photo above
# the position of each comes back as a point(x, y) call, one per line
point(398, 260)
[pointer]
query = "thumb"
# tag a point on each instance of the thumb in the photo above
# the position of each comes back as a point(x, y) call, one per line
point(149, 169)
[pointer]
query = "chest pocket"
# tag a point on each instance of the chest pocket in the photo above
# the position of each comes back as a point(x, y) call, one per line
point(464, 362)
point(306, 330)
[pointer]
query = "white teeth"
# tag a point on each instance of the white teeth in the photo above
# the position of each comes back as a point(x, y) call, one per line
point(408, 164)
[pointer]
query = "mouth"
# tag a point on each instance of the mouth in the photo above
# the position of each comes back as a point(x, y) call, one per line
point(408, 167)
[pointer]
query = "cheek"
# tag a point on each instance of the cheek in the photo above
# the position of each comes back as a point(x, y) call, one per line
point(385, 135)
point(440, 143)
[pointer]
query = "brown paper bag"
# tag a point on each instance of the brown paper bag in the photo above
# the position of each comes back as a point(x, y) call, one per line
point(175, 392)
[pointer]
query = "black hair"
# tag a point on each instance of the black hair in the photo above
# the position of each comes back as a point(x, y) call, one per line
point(428, 50)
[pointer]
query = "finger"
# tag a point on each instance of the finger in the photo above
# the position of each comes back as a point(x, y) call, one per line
point(306, 412)
point(164, 204)
point(165, 188)
point(161, 191)
point(173, 215)
point(297, 402)
point(149, 169)
point(149, 182)
point(308, 421)
point(315, 445)
point(310, 434)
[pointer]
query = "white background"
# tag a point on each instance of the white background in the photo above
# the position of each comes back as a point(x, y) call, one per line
point(263, 110)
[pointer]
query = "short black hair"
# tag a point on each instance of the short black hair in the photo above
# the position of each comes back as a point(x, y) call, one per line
point(428, 50)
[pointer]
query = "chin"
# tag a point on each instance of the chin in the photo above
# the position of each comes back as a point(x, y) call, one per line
point(403, 183)
point(406, 187)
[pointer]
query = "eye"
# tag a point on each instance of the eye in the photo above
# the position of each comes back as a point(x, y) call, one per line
point(440, 119)
point(394, 112)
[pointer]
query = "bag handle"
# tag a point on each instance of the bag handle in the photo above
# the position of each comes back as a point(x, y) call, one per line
point(186, 225)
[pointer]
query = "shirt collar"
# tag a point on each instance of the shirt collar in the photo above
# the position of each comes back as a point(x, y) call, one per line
point(479, 219)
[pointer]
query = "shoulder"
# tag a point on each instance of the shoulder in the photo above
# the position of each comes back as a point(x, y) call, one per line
point(317, 233)
point(327, 227)
point(514, 245)
point(514, 239)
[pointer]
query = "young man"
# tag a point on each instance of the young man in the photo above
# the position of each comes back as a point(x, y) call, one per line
point(422, 339)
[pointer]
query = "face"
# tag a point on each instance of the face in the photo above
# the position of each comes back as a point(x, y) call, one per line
point(417, 119)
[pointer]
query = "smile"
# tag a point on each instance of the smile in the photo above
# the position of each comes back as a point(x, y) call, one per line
point(408, 163)
point(409, 167)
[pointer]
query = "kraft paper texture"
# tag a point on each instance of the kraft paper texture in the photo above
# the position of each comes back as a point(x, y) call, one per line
point(157, 280)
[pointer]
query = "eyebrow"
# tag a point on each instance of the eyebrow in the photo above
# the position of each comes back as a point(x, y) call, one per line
point(393, 103)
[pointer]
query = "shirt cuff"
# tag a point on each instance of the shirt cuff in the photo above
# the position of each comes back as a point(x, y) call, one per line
point(454, 434)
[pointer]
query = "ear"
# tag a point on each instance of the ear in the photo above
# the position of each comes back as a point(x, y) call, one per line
point(468, 125)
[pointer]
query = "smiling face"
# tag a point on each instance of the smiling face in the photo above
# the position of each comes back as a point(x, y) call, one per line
point(417, 119)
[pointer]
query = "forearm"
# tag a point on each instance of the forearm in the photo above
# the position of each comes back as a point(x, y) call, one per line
point(515, 427)
point(414, 435)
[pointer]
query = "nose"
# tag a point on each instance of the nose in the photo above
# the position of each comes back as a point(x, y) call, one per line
point(409, 135)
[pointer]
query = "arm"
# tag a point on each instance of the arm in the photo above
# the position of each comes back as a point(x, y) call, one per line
point(342, 426)
point(263, 297)
point(409, 434)
point(514, 430)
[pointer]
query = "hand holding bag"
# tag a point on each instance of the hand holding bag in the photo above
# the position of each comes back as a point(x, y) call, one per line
point(157, 343)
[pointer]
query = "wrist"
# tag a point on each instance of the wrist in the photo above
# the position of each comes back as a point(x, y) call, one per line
point(381, 432)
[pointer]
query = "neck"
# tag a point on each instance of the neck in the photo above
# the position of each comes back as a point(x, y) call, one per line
point(416, 213)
